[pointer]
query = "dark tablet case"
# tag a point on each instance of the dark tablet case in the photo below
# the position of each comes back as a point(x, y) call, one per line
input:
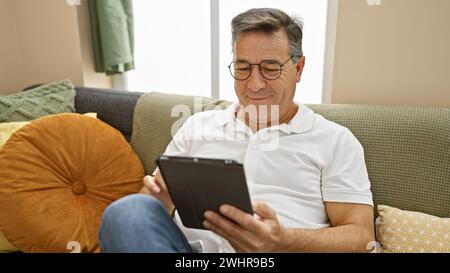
point(200, 184)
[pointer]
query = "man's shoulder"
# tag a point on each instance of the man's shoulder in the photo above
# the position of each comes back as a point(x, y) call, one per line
point(332, 130)
point(325, 125)
point(333, 137)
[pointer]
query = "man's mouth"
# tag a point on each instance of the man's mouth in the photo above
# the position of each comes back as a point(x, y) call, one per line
point(259, 98)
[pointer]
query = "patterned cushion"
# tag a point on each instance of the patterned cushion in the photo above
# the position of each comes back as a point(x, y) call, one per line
point(409, 231)
point(53, 98)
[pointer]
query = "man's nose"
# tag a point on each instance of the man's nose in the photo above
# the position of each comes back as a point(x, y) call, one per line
point(256, 81)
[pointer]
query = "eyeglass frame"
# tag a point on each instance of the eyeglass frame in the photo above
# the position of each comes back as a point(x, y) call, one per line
point(259, 65)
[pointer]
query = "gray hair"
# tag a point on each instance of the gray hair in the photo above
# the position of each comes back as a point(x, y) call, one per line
point(269, 20)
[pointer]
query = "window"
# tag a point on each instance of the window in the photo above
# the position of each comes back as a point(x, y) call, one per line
point(175, 49)
point(172, 47)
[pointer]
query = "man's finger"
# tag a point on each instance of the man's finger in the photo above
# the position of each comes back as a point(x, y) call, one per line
point(237, 245)
point(264, 211)
point(145, 190)
point(244, 220)
point(151, 185)
point(157, 177)
point(229, 226)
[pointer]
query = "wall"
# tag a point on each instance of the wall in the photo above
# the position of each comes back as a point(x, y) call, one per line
point(10, 64)
point(45, 42)
point(394, 54)
point(48, 41)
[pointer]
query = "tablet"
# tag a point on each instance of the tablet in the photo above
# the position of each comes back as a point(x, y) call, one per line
point(200, 184)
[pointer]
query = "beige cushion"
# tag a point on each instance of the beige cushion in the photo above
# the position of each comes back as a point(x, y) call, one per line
point(408, 231)
point(8, 128)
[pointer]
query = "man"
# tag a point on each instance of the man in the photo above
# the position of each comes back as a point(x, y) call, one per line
point(310, 193)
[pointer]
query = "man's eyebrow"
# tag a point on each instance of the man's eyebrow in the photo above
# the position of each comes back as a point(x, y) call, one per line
point(267, 60)
point(240, 60)
point(272, 61)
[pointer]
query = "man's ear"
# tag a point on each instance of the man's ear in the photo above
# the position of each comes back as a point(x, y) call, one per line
point(299, 68)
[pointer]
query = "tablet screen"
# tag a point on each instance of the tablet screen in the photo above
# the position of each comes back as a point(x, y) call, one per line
point(200, 184)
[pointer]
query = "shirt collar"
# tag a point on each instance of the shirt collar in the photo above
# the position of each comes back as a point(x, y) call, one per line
point(300, 123)
point(229, 115)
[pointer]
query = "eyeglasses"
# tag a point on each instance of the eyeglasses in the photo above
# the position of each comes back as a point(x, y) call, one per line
point(269, 69)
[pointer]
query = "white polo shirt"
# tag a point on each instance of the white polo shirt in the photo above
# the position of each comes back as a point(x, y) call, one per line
point(293, 167)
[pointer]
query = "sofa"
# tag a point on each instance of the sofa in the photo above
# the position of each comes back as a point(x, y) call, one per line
point(406, 148)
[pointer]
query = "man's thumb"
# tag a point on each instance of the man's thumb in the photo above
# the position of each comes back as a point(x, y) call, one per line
point(263, 210)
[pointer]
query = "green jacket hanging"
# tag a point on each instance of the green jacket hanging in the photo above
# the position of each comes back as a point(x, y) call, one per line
point(112, 35)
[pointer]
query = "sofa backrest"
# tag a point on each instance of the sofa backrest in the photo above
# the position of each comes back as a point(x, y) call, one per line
point(155, 113)
point(112, 106)
point(407, 152)
point(407, 149)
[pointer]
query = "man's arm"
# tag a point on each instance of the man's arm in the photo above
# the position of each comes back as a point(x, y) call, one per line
point(351, 230)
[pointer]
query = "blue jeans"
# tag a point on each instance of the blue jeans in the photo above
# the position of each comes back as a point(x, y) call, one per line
point(140, 223)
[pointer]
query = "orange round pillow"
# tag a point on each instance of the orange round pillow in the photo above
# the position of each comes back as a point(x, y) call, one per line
point(58, 174)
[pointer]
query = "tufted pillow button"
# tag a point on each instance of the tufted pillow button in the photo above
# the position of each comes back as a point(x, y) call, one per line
point(78, 188)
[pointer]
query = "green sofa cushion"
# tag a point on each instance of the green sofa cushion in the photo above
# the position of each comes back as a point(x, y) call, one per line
point(407, 149)
point(53, 98)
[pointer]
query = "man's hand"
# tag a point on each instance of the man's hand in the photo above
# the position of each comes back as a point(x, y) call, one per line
point(156, 187)
point(262, 233)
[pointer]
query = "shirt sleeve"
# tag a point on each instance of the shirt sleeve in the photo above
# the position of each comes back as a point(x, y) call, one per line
point(345, 179)
point(182, 141)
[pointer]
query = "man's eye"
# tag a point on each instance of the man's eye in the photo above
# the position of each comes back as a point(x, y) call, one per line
point(242, 69)
point(271, 66)
point(271, 70)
